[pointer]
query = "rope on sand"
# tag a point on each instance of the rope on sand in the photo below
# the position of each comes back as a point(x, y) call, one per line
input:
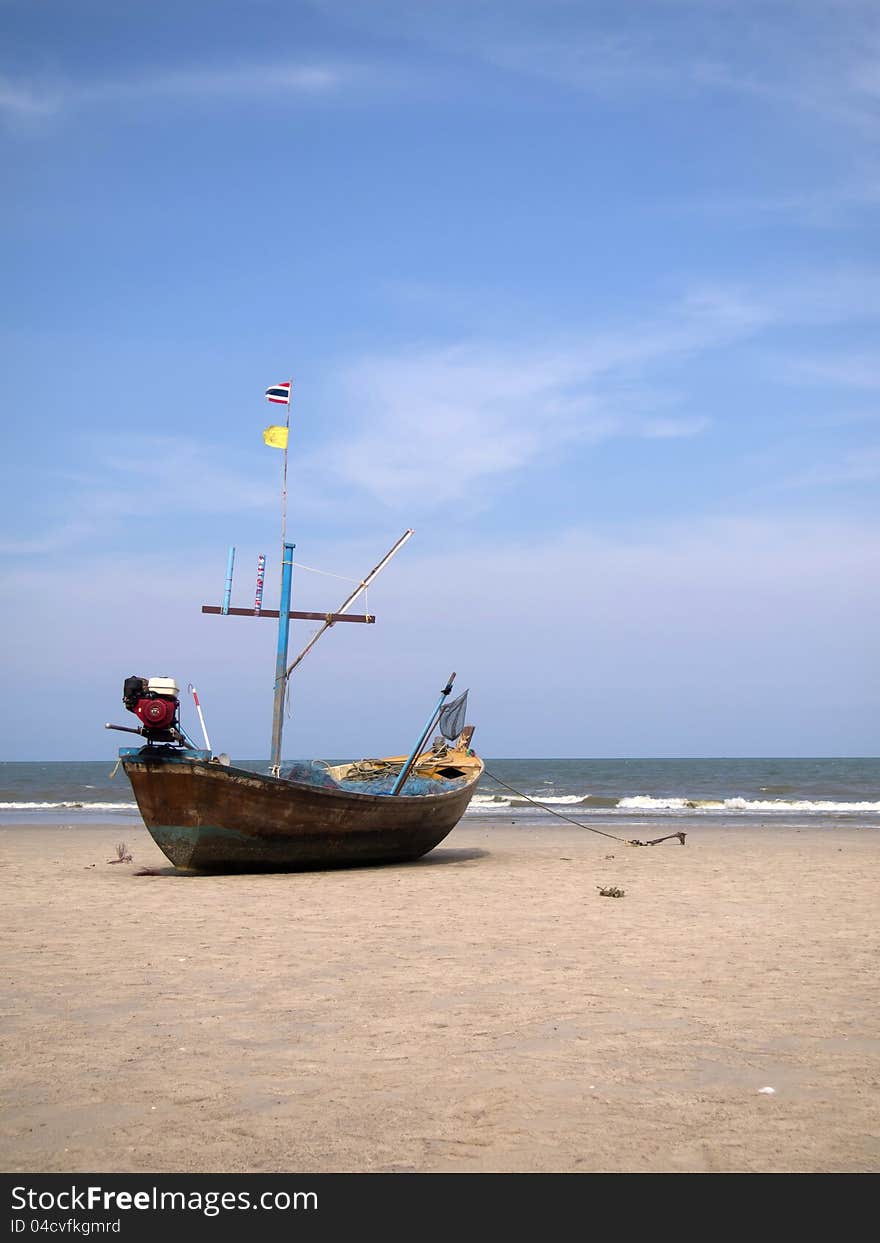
point(580, 824)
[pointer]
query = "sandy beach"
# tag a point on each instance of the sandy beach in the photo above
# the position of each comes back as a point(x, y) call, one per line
point(485, 1009)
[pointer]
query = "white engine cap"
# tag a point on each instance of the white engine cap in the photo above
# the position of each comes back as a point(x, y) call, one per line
point(163, 686)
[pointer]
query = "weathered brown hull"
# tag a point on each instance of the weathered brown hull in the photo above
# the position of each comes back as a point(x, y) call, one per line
point(213, 818)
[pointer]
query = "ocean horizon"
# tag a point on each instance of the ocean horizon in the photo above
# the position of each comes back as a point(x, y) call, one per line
point(773, 790)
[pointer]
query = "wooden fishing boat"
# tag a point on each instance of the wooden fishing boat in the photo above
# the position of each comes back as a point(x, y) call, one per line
point(206, 814)
point(209, 816)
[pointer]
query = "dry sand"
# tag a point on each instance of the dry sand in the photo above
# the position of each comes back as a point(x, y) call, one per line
point(483, 1009)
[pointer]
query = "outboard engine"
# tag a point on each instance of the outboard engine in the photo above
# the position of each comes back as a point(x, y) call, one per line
point(155, 703)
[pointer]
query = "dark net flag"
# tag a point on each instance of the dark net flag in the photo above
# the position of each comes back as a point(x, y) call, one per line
point(452, 717)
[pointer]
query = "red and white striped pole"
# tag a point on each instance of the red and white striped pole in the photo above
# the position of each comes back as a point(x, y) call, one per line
point(195, 694)
point(261, 571)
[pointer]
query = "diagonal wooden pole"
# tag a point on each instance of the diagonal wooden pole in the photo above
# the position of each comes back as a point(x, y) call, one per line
point(346, 604)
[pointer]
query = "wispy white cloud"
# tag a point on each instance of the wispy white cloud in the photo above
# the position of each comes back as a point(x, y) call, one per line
point(803, 88)
point(760, 56)
point(601, 64)
point(858, 466)
point(691, 636)
point(23, 101)
point(51, 540)
point(431, 425)
point(427, 425)
point(812, 60)
point(167, 474)
point(845, 417)
point(153, 478)
point(804, 58)
point(262, 80)
point(824, 295)
point(672, 429)
point(819, 206)
point(436, 422)
point(489, 409)
point(865, 76)
point(847, 369)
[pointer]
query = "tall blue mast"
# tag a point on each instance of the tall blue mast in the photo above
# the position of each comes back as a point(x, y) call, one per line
point(281, 656)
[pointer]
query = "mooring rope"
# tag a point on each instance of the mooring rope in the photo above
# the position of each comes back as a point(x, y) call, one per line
point(343, 578)
point(580, 824)
point(327, 573)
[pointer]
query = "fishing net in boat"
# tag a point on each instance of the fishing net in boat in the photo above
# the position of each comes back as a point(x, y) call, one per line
point(377, 779)
point(310, 772)
point(452, 717)
point(414, 786)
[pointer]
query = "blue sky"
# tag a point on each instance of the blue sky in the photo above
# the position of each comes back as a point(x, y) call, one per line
point(585, 293)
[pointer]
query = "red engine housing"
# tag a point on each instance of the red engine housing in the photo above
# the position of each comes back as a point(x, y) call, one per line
point(156, 712)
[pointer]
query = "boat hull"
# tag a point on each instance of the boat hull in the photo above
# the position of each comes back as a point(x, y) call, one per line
point(211, 817)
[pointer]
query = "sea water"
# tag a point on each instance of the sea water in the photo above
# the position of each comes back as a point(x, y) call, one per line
point(656, 791)
point(638, 791)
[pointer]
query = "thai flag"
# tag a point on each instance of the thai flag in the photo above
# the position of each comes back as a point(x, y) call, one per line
point(279, 393)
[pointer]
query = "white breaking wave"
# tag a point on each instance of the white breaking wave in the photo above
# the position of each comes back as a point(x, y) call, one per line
point(683, 806)
point(68, 806)
point(644, 802)
point(484, 803)
point(488, 801)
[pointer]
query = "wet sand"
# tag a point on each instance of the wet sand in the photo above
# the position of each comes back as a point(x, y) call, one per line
point(485, 1009)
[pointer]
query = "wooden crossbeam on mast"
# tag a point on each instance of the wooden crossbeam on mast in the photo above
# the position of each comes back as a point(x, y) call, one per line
point(294, 614)
point(285, 614)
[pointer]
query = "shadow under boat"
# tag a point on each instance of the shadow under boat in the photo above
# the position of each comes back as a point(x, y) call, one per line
point(436, 858)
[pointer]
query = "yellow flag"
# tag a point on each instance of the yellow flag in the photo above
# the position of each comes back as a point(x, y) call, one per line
point(276, 437)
